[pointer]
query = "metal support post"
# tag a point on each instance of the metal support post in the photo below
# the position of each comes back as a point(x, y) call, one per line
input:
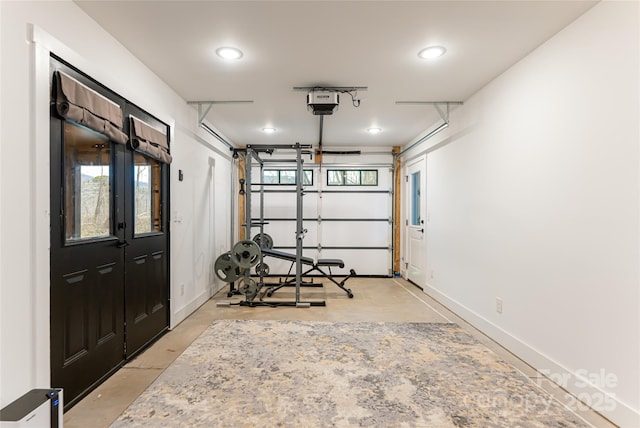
point(299, 222)
point(247, 195)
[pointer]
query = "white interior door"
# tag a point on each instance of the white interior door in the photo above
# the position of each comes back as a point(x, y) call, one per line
point(416, 248)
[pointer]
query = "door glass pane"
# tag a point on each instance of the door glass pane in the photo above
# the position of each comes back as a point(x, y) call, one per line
point(307, 177)
point(352, 178)
point(370, 178)
point(87, 184)
point(287, 177)
point(335, 178)
point(415, 198)
point(270, 176)
point(146, 193)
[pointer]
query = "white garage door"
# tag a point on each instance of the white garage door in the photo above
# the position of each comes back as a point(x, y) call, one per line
point(347, 211)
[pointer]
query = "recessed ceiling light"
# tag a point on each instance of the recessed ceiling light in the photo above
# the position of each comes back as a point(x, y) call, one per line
point(229, 53)
point(269, 130)
point(374, 130)
point(432, 52)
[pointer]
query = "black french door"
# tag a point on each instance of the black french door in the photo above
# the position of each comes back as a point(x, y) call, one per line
point(87, 261)
point(146, 244)
point(109, 249)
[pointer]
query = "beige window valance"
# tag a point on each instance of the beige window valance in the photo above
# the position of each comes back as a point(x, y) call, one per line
point(77, 102)
point(146, 139)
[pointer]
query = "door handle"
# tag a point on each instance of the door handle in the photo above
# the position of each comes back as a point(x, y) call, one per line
point(122, 244)
point(422, 230)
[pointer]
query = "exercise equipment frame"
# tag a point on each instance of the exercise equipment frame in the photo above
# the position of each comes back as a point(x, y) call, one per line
point(253, 153)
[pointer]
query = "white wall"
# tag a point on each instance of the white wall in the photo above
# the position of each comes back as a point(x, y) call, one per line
point(200, 218)
point(199, 204)
point(533, 196)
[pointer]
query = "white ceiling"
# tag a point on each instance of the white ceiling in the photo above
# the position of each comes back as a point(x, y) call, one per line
point(329, 43)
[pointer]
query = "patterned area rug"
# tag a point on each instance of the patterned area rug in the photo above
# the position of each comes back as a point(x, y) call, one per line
point(323, 374)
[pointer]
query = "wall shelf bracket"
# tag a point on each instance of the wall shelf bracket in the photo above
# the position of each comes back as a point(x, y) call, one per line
point(204, 107)
point(438, 105)
point(444, 115)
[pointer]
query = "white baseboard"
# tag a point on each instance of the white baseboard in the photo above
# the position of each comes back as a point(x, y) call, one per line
point(181, 314)
point(605, 403)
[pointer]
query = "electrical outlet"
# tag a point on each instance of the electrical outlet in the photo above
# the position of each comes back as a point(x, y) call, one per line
point(498, 305)
point(431, 274)
point(182, 289)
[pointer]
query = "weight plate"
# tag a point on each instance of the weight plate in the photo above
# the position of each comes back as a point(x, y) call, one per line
point(245, 254)
point(247, 287)
point(262, 269)
point(226, 269)
point(264, 240)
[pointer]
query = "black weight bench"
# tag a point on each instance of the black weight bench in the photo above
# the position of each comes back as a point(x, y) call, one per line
point(314, 266)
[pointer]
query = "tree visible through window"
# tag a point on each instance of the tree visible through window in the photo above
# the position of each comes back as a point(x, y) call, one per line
point(147, 193)
point(356, 177)
point(87, 183)
point(286, 176)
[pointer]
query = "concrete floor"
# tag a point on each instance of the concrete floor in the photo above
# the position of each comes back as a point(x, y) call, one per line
point(376, 299)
